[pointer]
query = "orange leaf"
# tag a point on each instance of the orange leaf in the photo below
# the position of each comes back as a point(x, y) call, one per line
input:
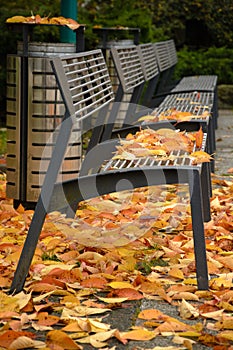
point(47, 320)
point(8, 337)
point(60, 338)
point(42, 287)
point(130, 294)
point(150, 314)
point(199, 138)
point(139, 334)
point(94, 282)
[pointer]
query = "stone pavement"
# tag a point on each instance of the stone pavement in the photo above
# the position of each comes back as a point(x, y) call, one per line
point(224, 142)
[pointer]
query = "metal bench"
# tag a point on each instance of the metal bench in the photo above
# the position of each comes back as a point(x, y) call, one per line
point(167, 60)
point(189, 101)
point(85, 86)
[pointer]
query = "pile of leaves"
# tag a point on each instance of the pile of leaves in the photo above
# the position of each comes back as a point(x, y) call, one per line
point(37, 19)
point(174, 114)
point(165, 144)
point(76, 281)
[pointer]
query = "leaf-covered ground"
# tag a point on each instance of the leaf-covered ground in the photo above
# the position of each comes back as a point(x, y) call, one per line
point(129, 246)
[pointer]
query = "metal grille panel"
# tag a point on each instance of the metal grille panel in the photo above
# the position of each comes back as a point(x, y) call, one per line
point(162, 55)
point(89, 82)
point(205, 99)
point(176, 158)
point(149, 66)
point(128, 65)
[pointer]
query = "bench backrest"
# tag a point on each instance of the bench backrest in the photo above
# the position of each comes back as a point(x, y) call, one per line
point(172, 53)
point(149, 62)
point(167, 59)
point(84, 83)
point(128, 66)
point(151, 71)
point(161, 51)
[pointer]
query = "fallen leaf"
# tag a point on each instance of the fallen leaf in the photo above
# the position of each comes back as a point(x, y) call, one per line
point(187, 310)
point(60, 338)
point(139, 334)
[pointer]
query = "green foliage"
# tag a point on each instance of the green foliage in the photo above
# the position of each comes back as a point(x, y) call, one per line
point(197, 24)
point(217, 61)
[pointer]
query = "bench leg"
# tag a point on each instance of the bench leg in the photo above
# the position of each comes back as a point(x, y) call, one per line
point(42, 207)
point(29, 248)
point(206, 191)
point(198, 230)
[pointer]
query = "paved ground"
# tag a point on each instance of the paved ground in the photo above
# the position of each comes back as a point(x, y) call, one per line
point(123, 319)
point(224, 142)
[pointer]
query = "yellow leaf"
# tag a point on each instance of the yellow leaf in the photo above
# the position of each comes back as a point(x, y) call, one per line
point(216, 315)
point(22, 299)
point(112, 300)
point(120, 285)
point(226, 335)
point(176, 272)
point(221, 282)
point(187, 310)
point(139, 334)
point(226, 323)
point(98, 339)
point(146, 117)
point(60, 338)
point(186, 296)
point(191, 334)
point(8, 303)
point(97, 326)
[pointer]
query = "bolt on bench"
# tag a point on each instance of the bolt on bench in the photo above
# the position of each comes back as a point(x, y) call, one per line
point(86, 89)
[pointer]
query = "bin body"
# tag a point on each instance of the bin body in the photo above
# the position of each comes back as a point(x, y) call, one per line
point(45, 111)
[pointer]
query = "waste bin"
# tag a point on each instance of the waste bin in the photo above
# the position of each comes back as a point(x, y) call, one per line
point(43, 110)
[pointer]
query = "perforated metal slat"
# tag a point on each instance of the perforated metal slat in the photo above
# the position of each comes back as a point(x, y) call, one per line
point(128, 65)
point(162, 55)
point(150, 66)
point(176, 158)
point(88, 81)
point(195, 110)
point(172, 54)
point(201, 82)
point(204, 99)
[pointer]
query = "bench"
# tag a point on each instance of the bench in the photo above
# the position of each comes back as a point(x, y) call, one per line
point(167, 60)
point(199, 105)
point(85, 86)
